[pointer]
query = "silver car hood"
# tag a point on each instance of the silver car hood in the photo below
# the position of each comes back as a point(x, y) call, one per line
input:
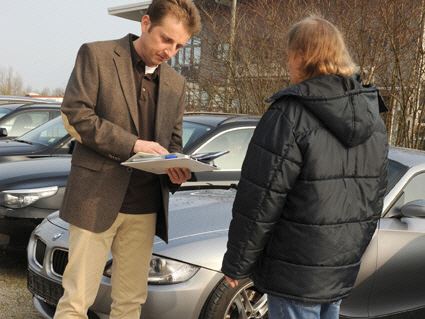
point(198, 224)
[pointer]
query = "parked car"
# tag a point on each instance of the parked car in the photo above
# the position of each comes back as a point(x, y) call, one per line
point(8, 103)
point(48, 139)
point(8, 107)
point(26, 117)
point(185, 279)
point(6, 99)
point(32, 189)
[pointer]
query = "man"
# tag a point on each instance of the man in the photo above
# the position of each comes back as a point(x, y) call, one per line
point(312, 183)
point(122, 99)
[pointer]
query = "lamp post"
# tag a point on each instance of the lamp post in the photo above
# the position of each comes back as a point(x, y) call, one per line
point(233, 5)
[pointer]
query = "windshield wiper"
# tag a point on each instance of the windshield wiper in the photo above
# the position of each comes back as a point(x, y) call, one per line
point(23, 141)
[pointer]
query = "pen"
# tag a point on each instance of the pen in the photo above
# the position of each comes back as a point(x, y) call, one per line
point(168, 156)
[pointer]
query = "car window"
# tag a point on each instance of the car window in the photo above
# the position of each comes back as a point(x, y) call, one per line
point(235, 141)
point(54, 114)
point(47, 134)
point(395, 172)
point(3, 112)
point(193, 131)
point(23, 122)
point(413, 190)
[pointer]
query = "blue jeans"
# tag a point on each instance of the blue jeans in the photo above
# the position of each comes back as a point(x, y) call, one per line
point(283, 308)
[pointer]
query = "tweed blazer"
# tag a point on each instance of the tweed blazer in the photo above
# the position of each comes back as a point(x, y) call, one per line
point(100, 111)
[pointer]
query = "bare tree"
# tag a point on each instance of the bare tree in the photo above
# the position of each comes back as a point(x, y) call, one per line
point(58, 92)
point(10, 82)
point(45, 91)
point(386, 39)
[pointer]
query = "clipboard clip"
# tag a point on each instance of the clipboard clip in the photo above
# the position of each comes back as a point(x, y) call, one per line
point(208, 157)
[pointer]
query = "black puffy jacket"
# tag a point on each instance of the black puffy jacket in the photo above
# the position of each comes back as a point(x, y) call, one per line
point(311, 191)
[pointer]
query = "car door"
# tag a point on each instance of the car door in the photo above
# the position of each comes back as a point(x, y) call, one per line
point(236, 141)
point(399, 281)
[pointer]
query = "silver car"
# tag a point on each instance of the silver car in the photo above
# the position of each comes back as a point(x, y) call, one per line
point(185, 279)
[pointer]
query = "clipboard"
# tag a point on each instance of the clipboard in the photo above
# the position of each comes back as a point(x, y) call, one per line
point(159, 164)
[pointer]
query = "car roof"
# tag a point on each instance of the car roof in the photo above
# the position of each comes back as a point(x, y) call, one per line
point(11, 106)
point(406, 156)
point(217, 119)
point(13, 99)
point(40, 105)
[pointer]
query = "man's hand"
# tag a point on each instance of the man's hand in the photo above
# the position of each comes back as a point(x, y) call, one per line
point(233, 283)
point(179, 175)
point(149, 147)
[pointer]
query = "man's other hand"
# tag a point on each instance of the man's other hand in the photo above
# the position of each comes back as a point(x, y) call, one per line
point(179, 175)
point(149, 147)
point(233, 283)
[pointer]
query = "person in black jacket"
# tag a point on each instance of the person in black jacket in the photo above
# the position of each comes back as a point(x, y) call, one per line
point(312, 183)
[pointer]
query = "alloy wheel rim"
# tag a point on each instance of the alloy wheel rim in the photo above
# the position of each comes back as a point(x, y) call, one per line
point(247, 303)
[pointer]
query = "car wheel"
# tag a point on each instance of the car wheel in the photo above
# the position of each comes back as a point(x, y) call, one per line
point(242, 302)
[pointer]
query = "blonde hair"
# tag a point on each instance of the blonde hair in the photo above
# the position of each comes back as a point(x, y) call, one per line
point(322, 48)
point(183, 10)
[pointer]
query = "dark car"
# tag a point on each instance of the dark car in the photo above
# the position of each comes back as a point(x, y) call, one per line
point(8, 103)
point(10, 99)
point(48, 139)
point(26, 117)
point(32, 189)
point(185, 280)
point(8, 107)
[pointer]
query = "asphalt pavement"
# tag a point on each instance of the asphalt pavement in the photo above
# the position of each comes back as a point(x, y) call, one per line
point(15, 299)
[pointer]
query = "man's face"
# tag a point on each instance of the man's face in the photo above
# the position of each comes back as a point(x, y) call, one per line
point(162, 42)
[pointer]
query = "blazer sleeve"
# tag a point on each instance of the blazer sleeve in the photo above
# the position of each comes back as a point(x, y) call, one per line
point(270, 169)
point(176, 142)
point(79, 111)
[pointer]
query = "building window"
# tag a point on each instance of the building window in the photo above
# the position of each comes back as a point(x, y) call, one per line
point(187, 60)
point(223, 51)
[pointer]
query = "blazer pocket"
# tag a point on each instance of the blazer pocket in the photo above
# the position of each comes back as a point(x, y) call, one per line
point(87, 158)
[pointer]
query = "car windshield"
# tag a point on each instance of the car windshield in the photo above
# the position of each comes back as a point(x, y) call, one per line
point(395, 172)
point(47, 134)
point(193, 131)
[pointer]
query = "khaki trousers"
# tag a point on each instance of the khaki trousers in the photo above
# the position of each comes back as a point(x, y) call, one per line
point(130, 238)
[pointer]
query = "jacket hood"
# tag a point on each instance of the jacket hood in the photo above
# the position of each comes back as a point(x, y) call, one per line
point(347, 108)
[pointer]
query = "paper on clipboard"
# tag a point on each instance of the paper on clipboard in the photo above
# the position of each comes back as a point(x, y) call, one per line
point(158, 164)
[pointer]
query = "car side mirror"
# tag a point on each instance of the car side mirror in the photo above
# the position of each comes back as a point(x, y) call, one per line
point(414, 208)
point(3, 132)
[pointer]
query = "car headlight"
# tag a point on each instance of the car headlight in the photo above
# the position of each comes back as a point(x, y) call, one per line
point(23, 197)
point(164, 271)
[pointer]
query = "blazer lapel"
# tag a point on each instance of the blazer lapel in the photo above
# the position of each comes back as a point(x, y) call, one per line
point(164, 95)
point(122, 60)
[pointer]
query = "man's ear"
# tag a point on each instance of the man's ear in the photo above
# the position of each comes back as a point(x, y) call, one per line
point(146, 23)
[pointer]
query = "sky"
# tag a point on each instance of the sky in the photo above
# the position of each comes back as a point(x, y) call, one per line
point(39, 39)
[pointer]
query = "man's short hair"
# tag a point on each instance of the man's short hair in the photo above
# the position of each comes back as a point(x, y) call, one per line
point(184, 10)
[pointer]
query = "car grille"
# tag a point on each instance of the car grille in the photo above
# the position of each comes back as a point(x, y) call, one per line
point(48, 290)
point(59, 261)
point(40, 250)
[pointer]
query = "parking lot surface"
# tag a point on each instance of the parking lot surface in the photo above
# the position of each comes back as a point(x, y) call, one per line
point(15, 299)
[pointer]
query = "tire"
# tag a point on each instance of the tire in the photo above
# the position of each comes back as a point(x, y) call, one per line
point(244, 301)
